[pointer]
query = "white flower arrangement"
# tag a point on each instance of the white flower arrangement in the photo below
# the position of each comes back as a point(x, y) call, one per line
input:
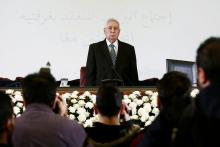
point(143, 106)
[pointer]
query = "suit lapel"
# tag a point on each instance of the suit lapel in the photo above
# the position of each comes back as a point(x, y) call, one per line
point(106, 53)
point(119, 54)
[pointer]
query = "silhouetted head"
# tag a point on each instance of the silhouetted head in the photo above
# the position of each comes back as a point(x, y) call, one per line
point(208, 58)
point(108, 100)
point(39, 88)
point(6, 117)
point(174, 86)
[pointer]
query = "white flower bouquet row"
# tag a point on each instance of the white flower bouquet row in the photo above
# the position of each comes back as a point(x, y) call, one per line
point(143, 106)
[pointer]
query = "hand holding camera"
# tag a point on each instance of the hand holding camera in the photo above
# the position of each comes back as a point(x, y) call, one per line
point(60, 106)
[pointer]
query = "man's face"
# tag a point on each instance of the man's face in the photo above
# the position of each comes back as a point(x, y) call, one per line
point(112, 31)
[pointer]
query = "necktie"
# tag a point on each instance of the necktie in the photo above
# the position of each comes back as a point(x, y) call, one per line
point(112, 53)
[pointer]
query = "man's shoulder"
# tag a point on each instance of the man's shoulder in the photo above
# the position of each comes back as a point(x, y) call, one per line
point(98, 43)
point(125, 44)
point(30, 118)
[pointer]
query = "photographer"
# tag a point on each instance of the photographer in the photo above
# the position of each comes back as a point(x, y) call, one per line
point(39, 125)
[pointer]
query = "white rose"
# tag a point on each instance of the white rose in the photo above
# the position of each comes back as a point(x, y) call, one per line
point(143, 118)
point(81, 110)
point(88, 123)
point(81, 118)
point(156, 115)
point(17, 93)
point(81, 103)
point(89, 105)
point(154, 96)
point(65, 96)
point(126, 97)
point(82, 97)
point(148, 92)
point(18, 115)
point(134, 117)
point(16, 110)
point(154, 102)
point(9, 91)
point(137, 93)
point(155, 111)
point(145, 98)
point(75, 96)
point(87, 93)
point(141, 111)
point(147, 123)
point(95, 118)
point(19, 104)
point(72, 117)
point(75, 92)
point(139, 102)
point(76, 106)
point(126, 100)
point(93, 98)
point(135, 100)
point(13, 99)
point(73, 101)
point(132, 96)
point(87, 114)
point(133, 111)
point(72, 109)
point(18, 97)
point(147, 107)
point(132, 105)
point(151, 118)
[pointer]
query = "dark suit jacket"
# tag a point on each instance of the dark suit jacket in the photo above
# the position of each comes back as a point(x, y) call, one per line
point(99, 65)
point(200, 124)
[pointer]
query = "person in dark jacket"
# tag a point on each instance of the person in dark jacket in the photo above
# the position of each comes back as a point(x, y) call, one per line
point(109, 131)
point(200, 125)
point(6, 120)
point(174, 90)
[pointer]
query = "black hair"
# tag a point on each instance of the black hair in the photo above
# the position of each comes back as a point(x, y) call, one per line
point(208, 58)
point(39, 88)
point(173, 84)
point(108, 100)
point(6, 109)
point(174, 93)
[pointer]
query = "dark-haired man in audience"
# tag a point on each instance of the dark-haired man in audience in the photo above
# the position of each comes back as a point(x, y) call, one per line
point(174, 96)
point(109, 131)
point(6, 120)
point(39, 126)
point(201, 125)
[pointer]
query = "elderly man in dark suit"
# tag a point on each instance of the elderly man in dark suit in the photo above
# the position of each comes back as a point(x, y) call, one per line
point(111, 59)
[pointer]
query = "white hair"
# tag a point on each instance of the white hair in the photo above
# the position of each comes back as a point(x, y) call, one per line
point(113, 20)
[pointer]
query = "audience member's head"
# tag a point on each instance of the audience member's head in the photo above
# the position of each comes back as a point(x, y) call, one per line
point(208, 61)
point(108, 100)
point(39, 88)
point(174, 94)
point(173, 87)
point(6, 118)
